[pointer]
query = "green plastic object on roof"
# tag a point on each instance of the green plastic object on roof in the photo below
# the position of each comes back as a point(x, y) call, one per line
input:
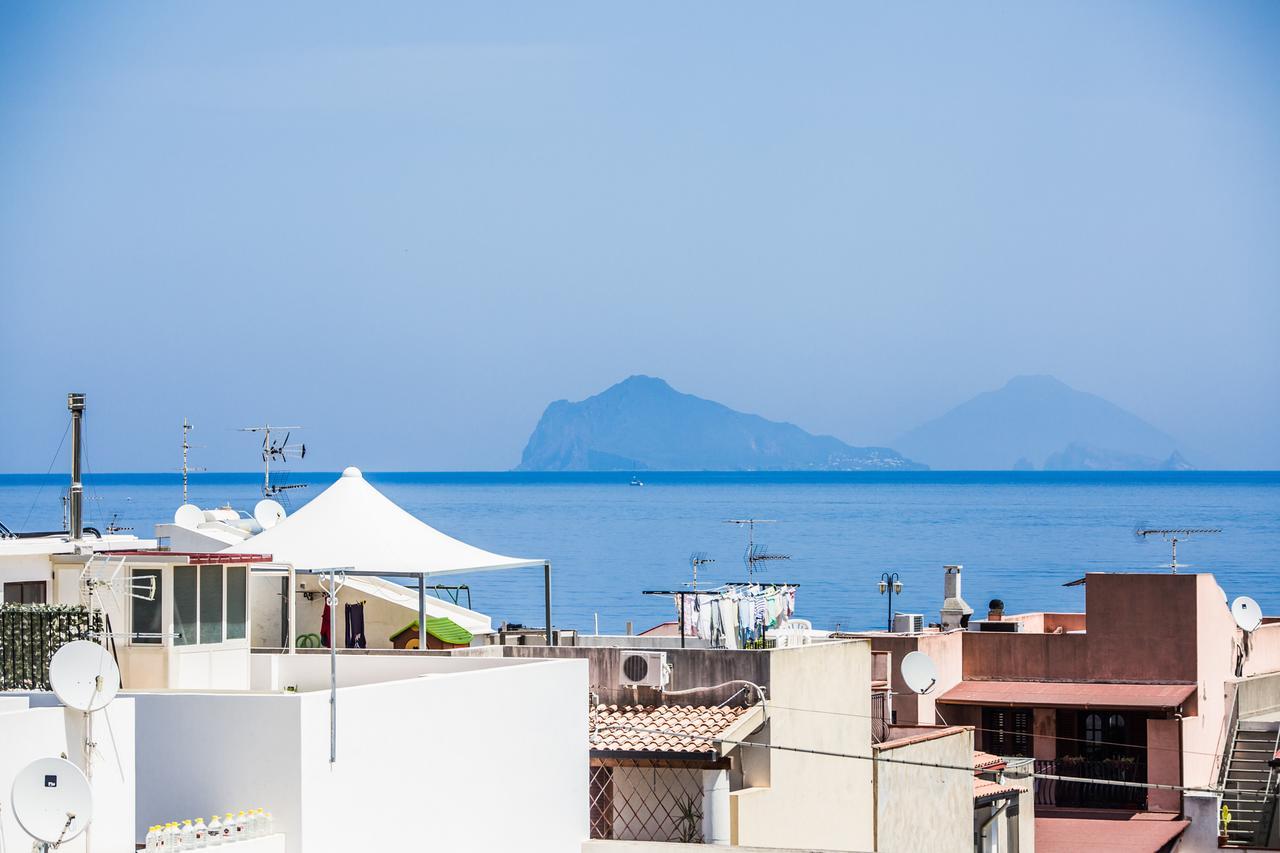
point(443, 629)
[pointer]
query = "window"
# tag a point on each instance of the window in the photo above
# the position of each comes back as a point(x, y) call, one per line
point(211, 604)
point(1092, 733)
point(1007, 731)
point(236, 579)
point(184, 605)
point(24, 592)
point(147, 615)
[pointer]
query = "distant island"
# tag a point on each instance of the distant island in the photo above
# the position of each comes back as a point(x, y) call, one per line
point(642, 423)
point(1041, 423)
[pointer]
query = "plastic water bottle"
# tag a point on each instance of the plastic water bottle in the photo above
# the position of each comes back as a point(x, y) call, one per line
point(228, 828)
point(173, 836)
point(166, 837)
point(241, 826)
point(201, 832)
point(213, 833)
point(188, 836)
point(151, 840)
point(268, 823)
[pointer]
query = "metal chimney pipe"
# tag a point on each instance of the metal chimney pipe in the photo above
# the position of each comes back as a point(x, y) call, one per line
point(75, 403)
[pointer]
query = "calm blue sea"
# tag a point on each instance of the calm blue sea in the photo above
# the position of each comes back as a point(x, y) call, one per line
point(1020, 536)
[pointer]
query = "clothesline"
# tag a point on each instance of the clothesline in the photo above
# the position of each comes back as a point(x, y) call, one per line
point(734, 615)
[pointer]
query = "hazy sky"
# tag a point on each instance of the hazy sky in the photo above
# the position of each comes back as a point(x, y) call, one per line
point(410, 227)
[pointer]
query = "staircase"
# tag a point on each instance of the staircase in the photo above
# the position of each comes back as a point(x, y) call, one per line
point(1250, 783)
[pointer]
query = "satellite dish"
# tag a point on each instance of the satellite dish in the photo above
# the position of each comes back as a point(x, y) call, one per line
point(919, 672)
point(1247, 613)
point(84, 676)
point(189, 516)
point(268, 513)
point(51, 800)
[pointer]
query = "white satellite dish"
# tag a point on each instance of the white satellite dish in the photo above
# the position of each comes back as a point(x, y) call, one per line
point(268, 513)
point(919, 672)
point(188, 516)
point(84, 676)
point(1247, 613)
point(51, 800)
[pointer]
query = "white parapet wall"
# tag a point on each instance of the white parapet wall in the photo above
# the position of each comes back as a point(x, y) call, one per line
point(471, 754)
point(34, 726)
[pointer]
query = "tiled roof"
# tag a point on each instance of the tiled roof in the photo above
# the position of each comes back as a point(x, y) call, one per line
point(985, 789)
point(635, 728)
point(985, 760)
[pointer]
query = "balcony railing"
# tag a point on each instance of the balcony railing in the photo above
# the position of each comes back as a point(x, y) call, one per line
point(1095, 793)
point(879, 716)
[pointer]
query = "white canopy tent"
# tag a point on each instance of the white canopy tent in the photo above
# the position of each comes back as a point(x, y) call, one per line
point(354, 528)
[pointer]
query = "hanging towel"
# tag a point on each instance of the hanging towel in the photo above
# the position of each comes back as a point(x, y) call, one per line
point(324, 625)
point(729, 619)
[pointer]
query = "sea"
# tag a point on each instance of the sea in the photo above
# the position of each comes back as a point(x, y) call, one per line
point(1021, 536)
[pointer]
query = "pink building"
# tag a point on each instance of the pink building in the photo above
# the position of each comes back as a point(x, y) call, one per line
point(1153, 683)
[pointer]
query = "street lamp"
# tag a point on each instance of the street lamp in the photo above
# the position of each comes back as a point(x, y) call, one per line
point(891, 584)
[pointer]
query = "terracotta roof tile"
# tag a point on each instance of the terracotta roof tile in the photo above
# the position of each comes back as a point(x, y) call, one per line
point(983, 789)
point(985, 760)
point(660, 728)
point(1115, 835)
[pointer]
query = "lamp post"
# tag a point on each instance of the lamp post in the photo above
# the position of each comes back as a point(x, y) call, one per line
point(891, 584)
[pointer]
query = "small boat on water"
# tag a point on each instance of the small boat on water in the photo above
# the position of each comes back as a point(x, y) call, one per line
point(636, 481)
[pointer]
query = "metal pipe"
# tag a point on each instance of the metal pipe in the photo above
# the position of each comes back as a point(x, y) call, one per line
point(982, 830)
point(546, 594)
point(333, 669)
point(422, 611)
point(75, 403)
point(293, 610)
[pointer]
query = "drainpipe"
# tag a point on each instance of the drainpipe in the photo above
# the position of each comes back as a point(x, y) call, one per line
point(75, 403)
point(982, 830)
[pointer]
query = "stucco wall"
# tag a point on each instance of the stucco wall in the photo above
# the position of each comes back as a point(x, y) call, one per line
point(947, 653)
point(814, 801)
point(426, 752)
point(46, 730)
point(1259, 695)
point(925, 808)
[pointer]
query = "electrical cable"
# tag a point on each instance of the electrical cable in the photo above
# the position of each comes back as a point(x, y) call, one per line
point(1017, 774)
point(48, 471)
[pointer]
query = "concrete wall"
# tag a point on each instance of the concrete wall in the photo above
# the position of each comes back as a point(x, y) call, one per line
point(47, 730)
point(814, 801)
point(1259, 695)
point(483, 760)
point(429, 752)
point(947, 653)
point(925, 808)
point(307, 671)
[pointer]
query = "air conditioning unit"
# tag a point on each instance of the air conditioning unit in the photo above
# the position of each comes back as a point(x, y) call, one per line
point(644, 669)
point(908, 623)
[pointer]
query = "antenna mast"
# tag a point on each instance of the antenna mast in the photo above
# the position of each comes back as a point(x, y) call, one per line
point(1173, 534)
point(756, 554)
point(281, 451)
point(698, 558)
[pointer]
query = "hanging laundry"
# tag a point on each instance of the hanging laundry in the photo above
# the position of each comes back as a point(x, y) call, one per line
point(324, 625)
point(354, 619)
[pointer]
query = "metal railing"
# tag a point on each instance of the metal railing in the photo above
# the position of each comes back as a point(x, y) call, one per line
point(879, 716)
point(31, 633)
point(1095, 793)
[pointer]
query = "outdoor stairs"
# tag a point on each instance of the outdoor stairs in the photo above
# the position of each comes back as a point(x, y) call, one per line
point(1250, 784)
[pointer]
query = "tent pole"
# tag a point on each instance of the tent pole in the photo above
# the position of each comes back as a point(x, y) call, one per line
point(292, 604)
point(333, 670)
point(546, 594)
point(422, 611)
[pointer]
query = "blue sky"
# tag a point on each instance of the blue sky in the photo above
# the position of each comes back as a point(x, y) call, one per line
point(409, 227)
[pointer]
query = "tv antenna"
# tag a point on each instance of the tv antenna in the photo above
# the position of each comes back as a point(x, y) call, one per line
point(280, 451)
point(698, 558)
point(187, 427)
point(1173, 534)
point(756, 553)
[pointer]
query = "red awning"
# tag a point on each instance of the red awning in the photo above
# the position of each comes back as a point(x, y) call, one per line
point(1067, 694)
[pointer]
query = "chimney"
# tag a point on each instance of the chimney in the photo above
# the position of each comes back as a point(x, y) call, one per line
point(75, 403)
point(955, 611)
point(995, 610)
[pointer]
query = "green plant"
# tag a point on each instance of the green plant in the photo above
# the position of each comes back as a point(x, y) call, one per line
point(688, 821)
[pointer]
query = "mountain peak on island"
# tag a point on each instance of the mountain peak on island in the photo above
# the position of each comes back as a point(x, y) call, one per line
point(1038, 421)
point(642, 423)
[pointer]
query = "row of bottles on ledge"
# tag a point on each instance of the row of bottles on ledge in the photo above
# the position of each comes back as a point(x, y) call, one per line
point(197, 835)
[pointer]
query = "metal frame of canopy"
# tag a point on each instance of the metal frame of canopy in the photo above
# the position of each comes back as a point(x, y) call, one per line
point(287, 569)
